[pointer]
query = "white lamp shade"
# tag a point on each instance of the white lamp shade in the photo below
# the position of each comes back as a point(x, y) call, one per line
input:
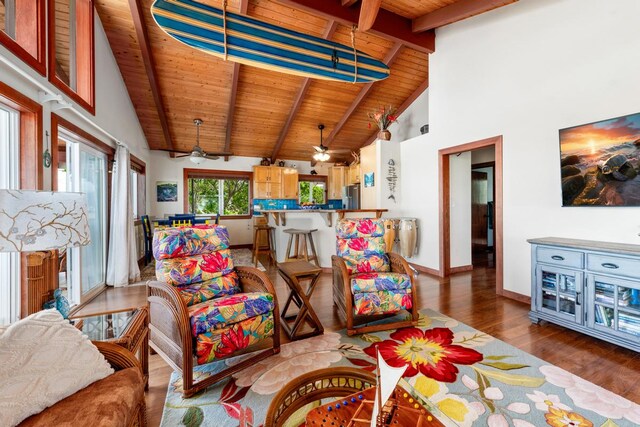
point(197, 159)
point(42, 220)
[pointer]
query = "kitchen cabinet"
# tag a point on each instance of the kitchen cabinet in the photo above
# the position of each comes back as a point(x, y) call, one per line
point(267, 190)
point(591, 287)
point(267, 174)
point(290, 183)
point(354, 174)
point(337, 179)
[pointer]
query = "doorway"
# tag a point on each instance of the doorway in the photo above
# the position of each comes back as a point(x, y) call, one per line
point(482, 238)
point(482, 209)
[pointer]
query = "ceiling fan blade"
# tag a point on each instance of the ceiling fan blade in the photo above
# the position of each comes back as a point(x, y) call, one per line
point(171, 151)
point(220, 154)
point(319, 149)
point(183, 155)
point(210, 157)
point(368, 13)
point(338, 151)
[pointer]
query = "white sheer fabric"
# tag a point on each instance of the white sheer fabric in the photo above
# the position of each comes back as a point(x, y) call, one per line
point(122, 265)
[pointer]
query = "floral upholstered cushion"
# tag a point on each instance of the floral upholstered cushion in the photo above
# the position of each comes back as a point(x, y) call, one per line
point(195, 268)
point(178, 242)
point(373, 282)
point(221, 343)
point(217, 287)
point(382, 302)
point(221, 312)
point(360, 247)
point(352, 228)
point(367, 264)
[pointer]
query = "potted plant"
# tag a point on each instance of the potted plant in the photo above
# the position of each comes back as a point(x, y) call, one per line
point(383, 118)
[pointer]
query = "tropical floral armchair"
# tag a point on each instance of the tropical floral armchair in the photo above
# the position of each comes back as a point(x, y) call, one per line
point(368, 283)
point(203, 309)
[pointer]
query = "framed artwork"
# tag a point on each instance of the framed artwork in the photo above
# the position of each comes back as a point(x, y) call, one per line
point(369, 179)
point(600, 162)
point(167, 191)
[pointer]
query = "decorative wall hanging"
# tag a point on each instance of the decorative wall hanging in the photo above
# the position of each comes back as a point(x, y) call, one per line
point(167, 191)
point(46, 156)
point(600, 162)
point(253, 42)
point(392, 179)
point(369, 179)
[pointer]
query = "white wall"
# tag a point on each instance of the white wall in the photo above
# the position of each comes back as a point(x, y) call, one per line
point(163, 168)
point(412, 119)
point(524, 71)
point(114, 110)
point(460, 218)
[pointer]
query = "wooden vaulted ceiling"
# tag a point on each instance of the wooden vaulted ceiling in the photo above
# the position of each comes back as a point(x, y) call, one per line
point(260, 113)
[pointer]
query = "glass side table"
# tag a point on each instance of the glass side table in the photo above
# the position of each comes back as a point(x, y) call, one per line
point(129, 329)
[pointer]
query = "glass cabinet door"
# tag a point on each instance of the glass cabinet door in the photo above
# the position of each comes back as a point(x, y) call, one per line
point(560, 292)
point(616, 305)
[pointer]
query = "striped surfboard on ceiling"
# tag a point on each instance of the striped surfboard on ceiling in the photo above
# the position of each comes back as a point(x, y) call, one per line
point(257, 43)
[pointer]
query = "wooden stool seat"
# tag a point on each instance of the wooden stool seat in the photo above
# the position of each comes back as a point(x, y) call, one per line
point(301, 252)
point(269, 248)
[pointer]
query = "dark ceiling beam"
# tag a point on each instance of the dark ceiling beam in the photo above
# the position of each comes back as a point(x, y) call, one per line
point(387, 25)
point(150, 67)
point(244, 4)
point(347, 3)
point(457, 11)
point(368, 13)
point(423, 86)
point(297, 103)
point(389, 59)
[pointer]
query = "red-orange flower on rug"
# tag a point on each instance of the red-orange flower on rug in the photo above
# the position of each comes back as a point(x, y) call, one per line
point(430, 352)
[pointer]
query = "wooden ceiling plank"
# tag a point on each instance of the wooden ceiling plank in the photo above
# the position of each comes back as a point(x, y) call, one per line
point(460, 10)
point(390, 57)
point(297, 103)
point(368, 13)
point(150, 66)
point(423, 86)
point(388, 25)
point(347, 3)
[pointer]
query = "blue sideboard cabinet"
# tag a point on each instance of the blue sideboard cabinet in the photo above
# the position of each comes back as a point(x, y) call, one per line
point(591, 287)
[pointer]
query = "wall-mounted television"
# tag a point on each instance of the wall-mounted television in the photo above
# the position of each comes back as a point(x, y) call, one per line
point(600, 163)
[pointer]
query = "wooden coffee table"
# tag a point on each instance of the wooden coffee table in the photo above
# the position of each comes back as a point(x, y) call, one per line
point(295, 273)
point(129, 329)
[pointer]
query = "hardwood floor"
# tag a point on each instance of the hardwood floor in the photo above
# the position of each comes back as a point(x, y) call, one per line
point(470, 298)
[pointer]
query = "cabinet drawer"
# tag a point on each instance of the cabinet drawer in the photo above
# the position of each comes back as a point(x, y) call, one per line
point(614, 265)
point(557, 256)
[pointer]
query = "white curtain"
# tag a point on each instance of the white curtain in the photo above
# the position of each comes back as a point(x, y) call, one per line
point(122, 264)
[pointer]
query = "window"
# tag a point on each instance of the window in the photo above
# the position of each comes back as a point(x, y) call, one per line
point(215, 192)
point(71, 49)
point(9, 178)
point(22, 31)
point(83, 169)
point(312, 191)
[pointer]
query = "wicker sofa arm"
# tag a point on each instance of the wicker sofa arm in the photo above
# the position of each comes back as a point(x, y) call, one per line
point(399, 264)
point(339, 269)
point(254, 280)
point(118, 357)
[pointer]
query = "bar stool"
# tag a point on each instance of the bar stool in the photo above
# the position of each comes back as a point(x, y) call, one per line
point(301, 251)
point(269, 248)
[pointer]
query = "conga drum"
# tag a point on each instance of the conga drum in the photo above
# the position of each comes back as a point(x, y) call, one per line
point(408, 232)
point(389, 234)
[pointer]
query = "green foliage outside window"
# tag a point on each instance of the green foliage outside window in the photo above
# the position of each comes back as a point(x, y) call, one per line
point(312, 189)
point(204, 196)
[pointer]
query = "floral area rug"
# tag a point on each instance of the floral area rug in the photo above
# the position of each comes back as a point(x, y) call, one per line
point(462, 375)
point(240, 257)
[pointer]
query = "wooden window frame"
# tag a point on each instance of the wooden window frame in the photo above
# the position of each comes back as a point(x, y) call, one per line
point(31, 166)
point(39, 62)
point(216, 174)
point(85, 55)
point(315, 178)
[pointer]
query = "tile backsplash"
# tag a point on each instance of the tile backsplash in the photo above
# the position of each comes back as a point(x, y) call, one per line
point(270, 204)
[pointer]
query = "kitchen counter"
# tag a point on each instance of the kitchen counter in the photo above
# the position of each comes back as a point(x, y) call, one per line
point(325, 234)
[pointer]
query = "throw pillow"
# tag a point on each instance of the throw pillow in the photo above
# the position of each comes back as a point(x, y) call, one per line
point(43, 359)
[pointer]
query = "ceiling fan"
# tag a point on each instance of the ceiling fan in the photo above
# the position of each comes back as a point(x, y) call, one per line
point(197, 155)
point(322, 152)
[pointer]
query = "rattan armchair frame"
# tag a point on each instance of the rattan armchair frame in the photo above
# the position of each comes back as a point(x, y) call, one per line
point(120, 358)
point(171, 336)
point(343, 299)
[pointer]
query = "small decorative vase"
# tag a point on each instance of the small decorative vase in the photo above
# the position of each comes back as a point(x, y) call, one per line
point(384, 134)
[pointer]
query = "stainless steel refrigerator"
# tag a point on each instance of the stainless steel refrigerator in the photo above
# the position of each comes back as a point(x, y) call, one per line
point(351, 196)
